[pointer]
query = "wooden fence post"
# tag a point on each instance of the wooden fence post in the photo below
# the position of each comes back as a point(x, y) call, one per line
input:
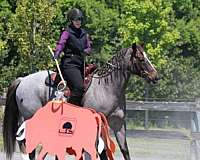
point(195, 128)
point(146, 120)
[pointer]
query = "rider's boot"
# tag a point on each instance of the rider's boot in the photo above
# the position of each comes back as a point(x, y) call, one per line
point(76, 100)
point(57, 80)
point(76, 96)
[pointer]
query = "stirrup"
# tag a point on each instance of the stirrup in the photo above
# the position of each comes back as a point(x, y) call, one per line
point(59, 93)
point(61, 86)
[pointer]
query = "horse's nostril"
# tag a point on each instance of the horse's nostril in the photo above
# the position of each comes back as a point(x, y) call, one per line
point(158, 78)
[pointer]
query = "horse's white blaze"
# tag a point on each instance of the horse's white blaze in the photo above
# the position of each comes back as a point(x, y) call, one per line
point(22, 127)
point(100, 145)
point(145, 56)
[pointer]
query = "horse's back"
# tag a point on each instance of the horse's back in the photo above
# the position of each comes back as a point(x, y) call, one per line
point(32, 93)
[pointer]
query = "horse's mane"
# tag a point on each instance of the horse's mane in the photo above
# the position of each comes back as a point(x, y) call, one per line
point(114, 63)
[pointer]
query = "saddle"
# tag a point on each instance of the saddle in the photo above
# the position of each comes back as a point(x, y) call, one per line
point(54, 79)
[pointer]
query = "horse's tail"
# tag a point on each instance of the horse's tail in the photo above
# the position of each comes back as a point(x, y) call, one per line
point(10, 121)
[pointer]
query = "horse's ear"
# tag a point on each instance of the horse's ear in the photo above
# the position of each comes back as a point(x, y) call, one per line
point(142, 44)
point(134, 46)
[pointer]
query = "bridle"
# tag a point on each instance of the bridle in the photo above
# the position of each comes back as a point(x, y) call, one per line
point(140, 65)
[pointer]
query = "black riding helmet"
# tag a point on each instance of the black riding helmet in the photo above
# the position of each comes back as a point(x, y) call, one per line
point(74, 15)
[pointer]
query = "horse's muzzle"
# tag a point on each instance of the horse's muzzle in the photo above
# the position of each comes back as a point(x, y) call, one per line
point(153, 78)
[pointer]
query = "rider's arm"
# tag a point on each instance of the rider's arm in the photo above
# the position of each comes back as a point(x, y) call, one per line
point(61, 43)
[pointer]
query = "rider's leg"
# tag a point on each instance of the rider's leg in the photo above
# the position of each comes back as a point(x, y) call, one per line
point(57, 78)
point(74, 78)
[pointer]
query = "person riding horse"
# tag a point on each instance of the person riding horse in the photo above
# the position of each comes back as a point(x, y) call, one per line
point(74, 42)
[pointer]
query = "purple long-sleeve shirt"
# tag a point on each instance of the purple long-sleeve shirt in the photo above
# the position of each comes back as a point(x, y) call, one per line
point(63, 41)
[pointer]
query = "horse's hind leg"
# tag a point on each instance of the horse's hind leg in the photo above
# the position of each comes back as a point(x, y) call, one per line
point(118, 125)
point(103, 155)
point(32, 155)
point(24, 155)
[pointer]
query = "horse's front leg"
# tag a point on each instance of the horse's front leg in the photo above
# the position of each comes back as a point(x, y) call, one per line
point(24, 155)
point(118, 125)
point(121, 140)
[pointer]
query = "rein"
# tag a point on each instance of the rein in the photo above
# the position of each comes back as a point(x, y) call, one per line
point(112, 65)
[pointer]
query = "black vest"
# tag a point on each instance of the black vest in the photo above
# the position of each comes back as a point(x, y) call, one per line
point(74, 49)
point(76, 43)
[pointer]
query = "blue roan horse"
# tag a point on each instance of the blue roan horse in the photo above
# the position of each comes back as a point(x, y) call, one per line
point(106, 94)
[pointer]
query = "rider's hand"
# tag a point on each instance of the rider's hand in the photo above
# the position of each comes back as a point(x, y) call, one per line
point(87, 51)
point(56, 55)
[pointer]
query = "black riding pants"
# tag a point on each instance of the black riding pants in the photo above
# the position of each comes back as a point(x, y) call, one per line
point(74, 77)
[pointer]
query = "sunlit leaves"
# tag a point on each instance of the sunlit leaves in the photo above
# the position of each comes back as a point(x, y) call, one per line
point(169, 30)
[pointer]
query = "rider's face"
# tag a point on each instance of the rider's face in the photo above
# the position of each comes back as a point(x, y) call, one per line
point(76, 23)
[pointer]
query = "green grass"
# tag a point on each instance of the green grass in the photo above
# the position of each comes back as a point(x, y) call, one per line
point(157, 149)
point(1, 143)
point(1, 113)
point(1, 120)
point(153, 149)
point(149, 148)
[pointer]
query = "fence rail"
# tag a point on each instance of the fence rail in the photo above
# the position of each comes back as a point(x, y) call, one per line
point(163, 106)
point(153, 106)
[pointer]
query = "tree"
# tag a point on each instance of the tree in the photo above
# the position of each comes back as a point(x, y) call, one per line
point(7, 65)
point(169, 29)
point(181, 74)
point(150, 22)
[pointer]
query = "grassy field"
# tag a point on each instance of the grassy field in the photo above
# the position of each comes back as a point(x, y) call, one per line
point(149, 148)
point(154, 149)
point(158, 149)
point(1, 142)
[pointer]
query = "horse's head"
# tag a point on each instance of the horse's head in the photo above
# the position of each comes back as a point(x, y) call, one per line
point(140, 64)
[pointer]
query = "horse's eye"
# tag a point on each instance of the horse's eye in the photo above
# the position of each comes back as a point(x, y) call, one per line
point(141, 59)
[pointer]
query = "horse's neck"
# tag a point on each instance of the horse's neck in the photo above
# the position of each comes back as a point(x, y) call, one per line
point(120, 80)
point(115, 82)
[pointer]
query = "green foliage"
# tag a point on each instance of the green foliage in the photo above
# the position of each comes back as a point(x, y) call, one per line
point(31, 33)
point(180, 81)
point(189, 41)
point(150, 22)
point(5, 14)
point(169, 29)
point(186, 9)
point(102, 24)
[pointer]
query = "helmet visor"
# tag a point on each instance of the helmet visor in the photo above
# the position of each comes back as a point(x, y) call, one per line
point(77, 18)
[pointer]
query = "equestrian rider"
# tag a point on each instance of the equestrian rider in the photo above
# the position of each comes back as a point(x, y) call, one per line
point(74, 42)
